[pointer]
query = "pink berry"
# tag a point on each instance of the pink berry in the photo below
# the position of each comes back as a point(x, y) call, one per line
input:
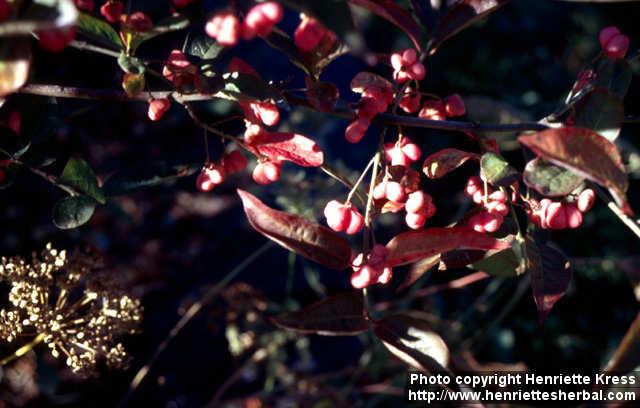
point(380, 191)
point(395, 192)
point(138, 22)
point(396, 61)
point(86, 5)
point(355, 223)
point(261, 19)
point(356, 130)
point(607, 34)
point(267, 112)
point(308, 34)
point(398, 158)
point(362, 277)
point(492, 222)
point(224, 27)
point(56, 39)
point(556, 217)
point(415, 221)
point(338, 215)
point(586, 199)
point(157, 108)
point(412, 151)
point(474, 184)
point(574, 216)
point(433, 109)
point(410, 101)
point(416, 202)
point(617, 47)
point(267, 172)
point(454, 105)
point(409, 57)
point(209, 177)
point(112, 10)
point(418, 71)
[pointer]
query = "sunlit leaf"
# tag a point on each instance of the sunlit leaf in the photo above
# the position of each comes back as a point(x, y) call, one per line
point(445, 161)
point(549, 179)
point(586, 153)
point(337, 315)
point(497, 171)
point(297, 234)
point(292, 147)
point(411, 246)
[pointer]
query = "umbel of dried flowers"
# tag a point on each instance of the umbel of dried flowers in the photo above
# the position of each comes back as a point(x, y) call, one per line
point(79, 315)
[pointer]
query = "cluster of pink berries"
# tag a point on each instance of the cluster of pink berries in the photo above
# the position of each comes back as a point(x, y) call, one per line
point(267, 171)
point(419, 208)
point(613, 42)
point(402, 153)
point(227, 30)
point(213, 174)
point(371, 269)
point(375, 99)
point(406, 66)
point(179, 70)
point(437, 109)
point(311, 34)
point(343, 217)
point(157, 108)
point(494, 205)
point(559, 215)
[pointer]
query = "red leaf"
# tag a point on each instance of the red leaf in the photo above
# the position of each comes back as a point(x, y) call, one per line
point(460, 15)
point(395, 14)
point(365, 80)
point(445, 161)
point(411, 246)
point(293, 147)
point(341, 314)
point(297, 234)
point(322, 95)
point(550, 275)
point(585, 153)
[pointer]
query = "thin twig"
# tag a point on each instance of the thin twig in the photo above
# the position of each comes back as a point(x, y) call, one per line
point(628, 221)
point(193, 311)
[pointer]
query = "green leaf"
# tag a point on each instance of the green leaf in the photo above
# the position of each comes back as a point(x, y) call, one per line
point(549, 179)
point(601, 111)
point(504, 263)
point(131, 65)
point(338, 315)
point(99, 31)
point(72, 212)
point(78, 174)
point(496, 171)
point(149, 175)
point(203, 47)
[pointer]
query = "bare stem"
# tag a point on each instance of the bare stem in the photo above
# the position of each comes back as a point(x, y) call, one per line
point(358, 181)
point(628, 221)
point(22, 350)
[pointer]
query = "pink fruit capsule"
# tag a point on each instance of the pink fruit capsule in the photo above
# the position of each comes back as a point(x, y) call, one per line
point(586, 199)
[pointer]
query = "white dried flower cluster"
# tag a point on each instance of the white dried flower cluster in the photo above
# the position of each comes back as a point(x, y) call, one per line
point(54, 298)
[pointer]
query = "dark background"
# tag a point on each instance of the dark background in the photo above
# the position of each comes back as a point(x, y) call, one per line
point(168, 244)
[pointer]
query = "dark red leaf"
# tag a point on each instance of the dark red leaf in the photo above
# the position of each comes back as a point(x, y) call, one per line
point(417, 269)
point(445, 161)
point(297, 234)
point(459, 258)
point(365, 80)
point(550, 275)
point(587, 154)
point(411, 246)
point(322, 95)
point(395, 14)
point(341, 314)
point(461, 14)
point(293, 147)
